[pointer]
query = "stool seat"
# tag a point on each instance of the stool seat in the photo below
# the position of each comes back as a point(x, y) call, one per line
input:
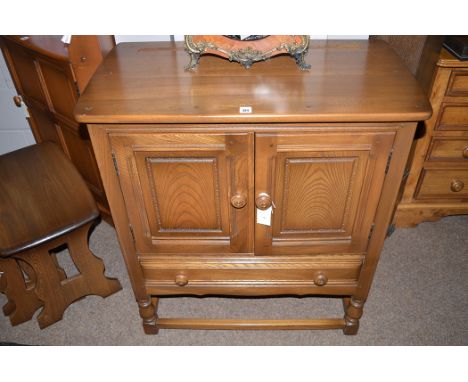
point(48, 200)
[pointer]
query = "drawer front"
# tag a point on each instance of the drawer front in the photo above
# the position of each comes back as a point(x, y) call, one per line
point(453, 117)
point(443, 183)
point(216, 277)
point(448, 150)
point(458, 84)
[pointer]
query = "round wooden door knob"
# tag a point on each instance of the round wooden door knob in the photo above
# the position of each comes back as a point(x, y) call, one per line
point(181, 279)
point(465, 152)
point(263, 201)
point(17, 100)
point(457, 185)
point(238, 201)
point(320, 279)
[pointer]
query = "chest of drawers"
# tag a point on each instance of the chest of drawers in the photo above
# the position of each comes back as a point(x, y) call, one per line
point(437, 183)
point(189, 178)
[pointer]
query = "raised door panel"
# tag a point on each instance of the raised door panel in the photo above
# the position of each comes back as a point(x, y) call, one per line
point(178, 190)
point(324, 190)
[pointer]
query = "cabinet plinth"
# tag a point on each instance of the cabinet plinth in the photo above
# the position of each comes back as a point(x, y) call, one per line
point(188, 177)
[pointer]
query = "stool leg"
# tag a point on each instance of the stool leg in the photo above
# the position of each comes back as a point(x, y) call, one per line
point(58, 293)
point(48, 285)
point(91, 267)
point(22, 301)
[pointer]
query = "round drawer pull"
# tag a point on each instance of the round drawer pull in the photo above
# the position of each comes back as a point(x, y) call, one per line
point(320, 279)
point(238, 201)
point(181, 279)
point(465, 152)
point(17, 100)
point(263, 201)
point(457, 185)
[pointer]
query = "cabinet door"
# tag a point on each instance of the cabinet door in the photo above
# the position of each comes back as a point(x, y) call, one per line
point(324, 190)
point(187, 193)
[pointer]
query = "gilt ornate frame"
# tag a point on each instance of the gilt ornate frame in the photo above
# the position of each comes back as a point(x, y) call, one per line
point(246, 52)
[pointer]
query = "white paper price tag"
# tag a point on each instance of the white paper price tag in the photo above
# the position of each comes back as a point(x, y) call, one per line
point(264, 216)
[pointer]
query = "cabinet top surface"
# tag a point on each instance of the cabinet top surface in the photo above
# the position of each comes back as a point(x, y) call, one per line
point(349, 81)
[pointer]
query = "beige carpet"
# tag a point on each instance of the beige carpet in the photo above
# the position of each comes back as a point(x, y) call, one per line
point(419, 297)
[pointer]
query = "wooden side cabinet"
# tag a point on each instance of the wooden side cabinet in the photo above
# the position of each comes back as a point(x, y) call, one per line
point(292, 199)
point(437, 184)
point(49, 77)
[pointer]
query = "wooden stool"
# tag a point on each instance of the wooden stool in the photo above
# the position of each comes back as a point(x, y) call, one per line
point(44, 205)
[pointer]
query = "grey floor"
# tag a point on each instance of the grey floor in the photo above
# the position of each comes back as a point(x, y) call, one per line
point(419, 297)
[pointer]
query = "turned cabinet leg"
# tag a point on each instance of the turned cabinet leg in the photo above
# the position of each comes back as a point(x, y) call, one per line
point(148, 313)
point(353, 312)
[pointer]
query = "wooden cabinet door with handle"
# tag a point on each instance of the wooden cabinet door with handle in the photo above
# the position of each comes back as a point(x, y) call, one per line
point(187, 193)
point(323, 189)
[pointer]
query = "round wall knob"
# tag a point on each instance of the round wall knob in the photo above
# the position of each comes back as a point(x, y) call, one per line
point(238, 201)
point(320, 279)
point(457, 185)
point(263, 201)
point(17, 100)
point(181, 279)
point(83, 58)
point(465, 152)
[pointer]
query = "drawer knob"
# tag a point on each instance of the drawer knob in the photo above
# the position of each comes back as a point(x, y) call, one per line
point(238, 201)
point(465, 152)
point(181, 279)
point(320, 279)
point(263, 201)
point(457, 185)
point(17, 100)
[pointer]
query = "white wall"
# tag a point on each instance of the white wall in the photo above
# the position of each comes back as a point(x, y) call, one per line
point(14, 128)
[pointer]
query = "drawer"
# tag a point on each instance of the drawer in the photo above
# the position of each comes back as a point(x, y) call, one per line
point(453, 117)
point(443, 183)
point(448, 149)
point(216, 277)
point(458, 84)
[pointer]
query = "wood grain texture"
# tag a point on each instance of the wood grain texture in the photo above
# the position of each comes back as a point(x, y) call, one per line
point(325, 188)
point(128, 88)
point(453, 117)
point(448, 149)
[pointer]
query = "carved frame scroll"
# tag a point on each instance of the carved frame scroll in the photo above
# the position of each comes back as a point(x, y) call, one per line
point(246, 52)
